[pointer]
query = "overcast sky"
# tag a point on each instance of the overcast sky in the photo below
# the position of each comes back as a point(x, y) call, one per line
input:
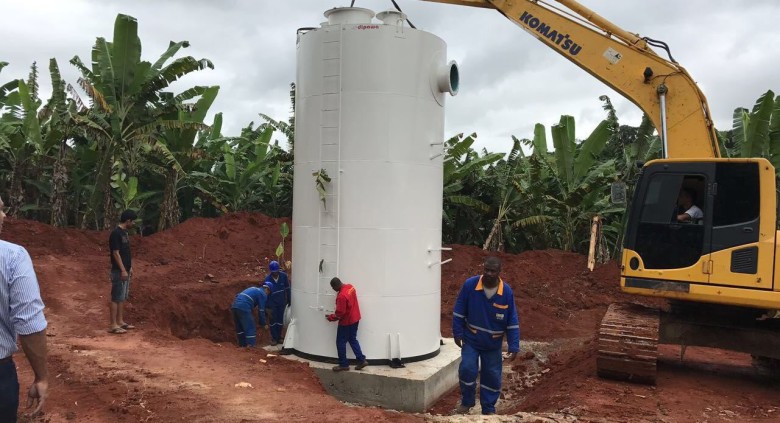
point(509, 80)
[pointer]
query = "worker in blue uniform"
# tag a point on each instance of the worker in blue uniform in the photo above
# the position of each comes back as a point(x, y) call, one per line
point(484, 312)
point(242, 307)
point(280, 298)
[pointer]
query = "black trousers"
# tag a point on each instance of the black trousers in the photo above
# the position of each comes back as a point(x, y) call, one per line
point(9, 392)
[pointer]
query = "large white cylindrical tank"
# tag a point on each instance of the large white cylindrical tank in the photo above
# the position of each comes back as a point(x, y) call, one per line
point(370, 114)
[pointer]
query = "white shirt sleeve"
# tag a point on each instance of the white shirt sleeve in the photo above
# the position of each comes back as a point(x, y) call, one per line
point(25, 302)
point(695, 212)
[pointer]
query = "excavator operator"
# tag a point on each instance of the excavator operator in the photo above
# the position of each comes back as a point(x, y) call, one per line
point(690, 212)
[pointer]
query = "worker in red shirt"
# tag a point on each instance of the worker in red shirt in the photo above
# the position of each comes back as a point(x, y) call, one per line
point(348, 315)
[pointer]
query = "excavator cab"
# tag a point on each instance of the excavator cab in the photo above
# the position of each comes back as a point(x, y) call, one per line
point(717, 270)
point(726, 240)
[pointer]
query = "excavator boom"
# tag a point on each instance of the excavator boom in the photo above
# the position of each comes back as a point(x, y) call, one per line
point(661, 88)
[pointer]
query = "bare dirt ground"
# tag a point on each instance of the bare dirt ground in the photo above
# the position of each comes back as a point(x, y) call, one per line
point(181, 364)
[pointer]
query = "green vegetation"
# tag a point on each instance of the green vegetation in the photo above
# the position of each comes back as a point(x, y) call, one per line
point(134, 143)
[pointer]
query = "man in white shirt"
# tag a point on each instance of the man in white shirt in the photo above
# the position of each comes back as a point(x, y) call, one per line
point(692, 212)
point(21, 315)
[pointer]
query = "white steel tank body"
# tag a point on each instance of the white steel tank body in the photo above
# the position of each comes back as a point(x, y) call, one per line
point(367, 196)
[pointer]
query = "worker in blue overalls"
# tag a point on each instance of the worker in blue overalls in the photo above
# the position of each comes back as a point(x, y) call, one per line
point(484, 312)
point(280, 298)
point(242, 307)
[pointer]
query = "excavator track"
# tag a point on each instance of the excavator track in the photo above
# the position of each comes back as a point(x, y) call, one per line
point(628, 343)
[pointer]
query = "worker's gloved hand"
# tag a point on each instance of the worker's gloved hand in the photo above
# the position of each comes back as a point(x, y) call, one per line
point(331, 317)
point(510, 356)
point(459, 342)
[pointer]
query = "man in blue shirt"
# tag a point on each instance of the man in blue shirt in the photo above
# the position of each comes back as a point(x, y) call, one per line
point(242, 307)
point(21, 313)
point(484, 312)
point(280, 298)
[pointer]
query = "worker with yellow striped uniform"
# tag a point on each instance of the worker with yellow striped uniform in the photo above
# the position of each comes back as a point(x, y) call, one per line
point(484, 312)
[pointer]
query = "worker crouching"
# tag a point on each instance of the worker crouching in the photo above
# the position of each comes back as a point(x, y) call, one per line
point(245, 301)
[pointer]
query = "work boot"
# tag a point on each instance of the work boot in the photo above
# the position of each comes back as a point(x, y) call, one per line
point(361, 365)
point(462, 409)
point(340, 369)
point(273, 343)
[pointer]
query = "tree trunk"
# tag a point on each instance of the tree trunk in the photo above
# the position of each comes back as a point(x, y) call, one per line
point(59, 216)
point(101, 202)
point(493, 233)
point(169, 209)
point(16, 194)
point(109, 212)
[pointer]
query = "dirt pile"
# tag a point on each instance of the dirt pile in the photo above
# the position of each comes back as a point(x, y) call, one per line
point(183, 352)
point(556, 295)
point(184, 278)
point(41, 239)
point(233, 240)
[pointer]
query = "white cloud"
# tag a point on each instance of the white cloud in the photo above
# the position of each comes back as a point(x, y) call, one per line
point(510, 81)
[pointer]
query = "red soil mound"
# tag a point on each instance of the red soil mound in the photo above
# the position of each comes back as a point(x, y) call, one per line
point(556, 295)
point(185, 279)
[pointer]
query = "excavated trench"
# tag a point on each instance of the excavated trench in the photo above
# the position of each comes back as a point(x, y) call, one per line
point(197, 310)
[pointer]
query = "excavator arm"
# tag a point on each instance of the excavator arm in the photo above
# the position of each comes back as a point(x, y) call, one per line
point(661, 88)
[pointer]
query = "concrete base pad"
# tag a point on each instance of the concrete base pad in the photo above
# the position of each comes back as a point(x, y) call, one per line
point(413, 388)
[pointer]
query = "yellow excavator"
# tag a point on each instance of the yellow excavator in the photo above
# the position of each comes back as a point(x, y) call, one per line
point(715, 258)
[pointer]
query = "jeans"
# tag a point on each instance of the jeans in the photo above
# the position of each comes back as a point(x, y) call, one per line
point(120, 289)
point(489, 377)
point(9, 392)
point(346, 334)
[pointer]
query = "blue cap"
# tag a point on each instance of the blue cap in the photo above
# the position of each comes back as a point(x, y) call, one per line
point(269, 285)
point(274, 266)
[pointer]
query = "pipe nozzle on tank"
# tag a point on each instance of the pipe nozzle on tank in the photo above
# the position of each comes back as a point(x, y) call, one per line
point(392, 17)
point(448, 78)
point(349, 15)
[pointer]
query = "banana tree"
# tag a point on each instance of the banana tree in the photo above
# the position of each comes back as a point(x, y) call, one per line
point(751, 128)
point(60, 127)
point(580, 181)
point(286, 128)
point(526, 225)
point(774, 136)
point(462, 207)
point(509, 198)
point(247, 172)
point(128, 104)
point(182, 154)
point(555, 195)
point(23, 145)
point(463, 168)
point(127, 193)
point(756, 133)
point(9, 124)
